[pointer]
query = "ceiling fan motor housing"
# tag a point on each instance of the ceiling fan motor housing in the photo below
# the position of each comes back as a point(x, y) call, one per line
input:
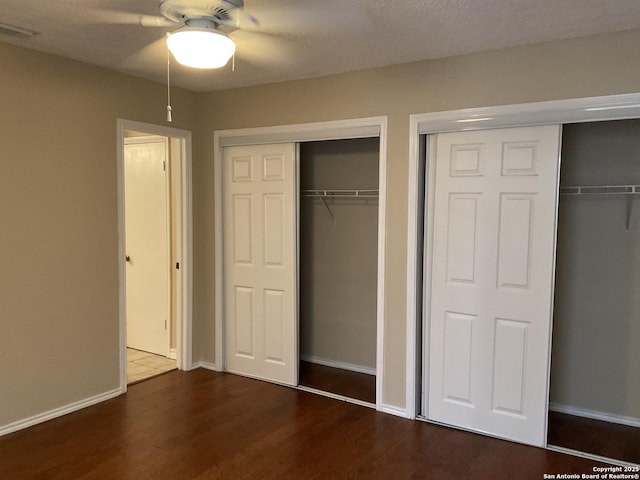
point(186, 11)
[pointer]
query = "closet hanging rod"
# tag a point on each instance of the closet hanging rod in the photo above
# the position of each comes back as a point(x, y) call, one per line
point(340, 193)
point(601, 190)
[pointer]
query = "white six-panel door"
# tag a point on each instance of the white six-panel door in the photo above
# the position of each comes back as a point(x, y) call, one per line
point(492, 280)
point(260, 261)
point(147, 244)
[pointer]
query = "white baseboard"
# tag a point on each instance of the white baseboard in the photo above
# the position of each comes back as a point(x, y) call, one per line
point(397, 411)
point(206, 365)
point(58, 412)
point(335, 364)
point(173, 354)
point(595, 415)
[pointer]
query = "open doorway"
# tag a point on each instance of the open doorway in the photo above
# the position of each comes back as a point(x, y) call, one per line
point(149, 176)
point(595, 387)
point(154, 218)
point(338, 242)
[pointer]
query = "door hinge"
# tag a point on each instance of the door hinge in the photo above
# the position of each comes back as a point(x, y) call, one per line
point(165, 324)
point(177, 265)
point(164, 165)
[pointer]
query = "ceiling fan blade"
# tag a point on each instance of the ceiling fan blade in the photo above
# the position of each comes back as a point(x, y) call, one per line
point(261, 49)
point(117, 17)
point(244, 18)
point(318, 18)
point(147, 57)
point(156, 21)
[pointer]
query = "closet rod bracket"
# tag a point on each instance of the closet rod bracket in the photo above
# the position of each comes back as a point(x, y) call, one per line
point(333, 219)
point(628, 210)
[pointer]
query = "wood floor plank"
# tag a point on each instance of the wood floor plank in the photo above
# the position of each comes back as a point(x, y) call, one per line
point(206, 425)
point(336, 380)
point(605, 439)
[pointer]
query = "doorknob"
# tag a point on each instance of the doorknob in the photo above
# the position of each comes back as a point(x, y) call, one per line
point(127, 258)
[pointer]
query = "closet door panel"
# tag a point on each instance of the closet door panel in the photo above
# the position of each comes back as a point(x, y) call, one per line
point(462, 241)
point(514, 240)
point(510, 340)
point(492, 278)
point(458, 342)
point(259, 270)
point(273, 230)
point(241, 224)
point(274, 314)
point(243, 321)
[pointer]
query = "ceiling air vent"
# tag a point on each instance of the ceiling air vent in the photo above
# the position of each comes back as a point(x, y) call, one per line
point(17, 32)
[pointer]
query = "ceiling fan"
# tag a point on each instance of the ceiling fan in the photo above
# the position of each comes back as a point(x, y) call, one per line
point(201, 41)
point(200, 38)
point(281, 22)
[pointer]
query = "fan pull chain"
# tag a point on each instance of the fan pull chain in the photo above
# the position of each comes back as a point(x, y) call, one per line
point(233, 57)
point(169, 118)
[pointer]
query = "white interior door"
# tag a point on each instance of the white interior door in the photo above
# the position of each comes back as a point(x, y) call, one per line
point(492, 280)
point(260, 261)
point(146, 232)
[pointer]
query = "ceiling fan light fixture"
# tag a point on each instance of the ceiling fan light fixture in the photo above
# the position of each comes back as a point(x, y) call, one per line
point(201, 47)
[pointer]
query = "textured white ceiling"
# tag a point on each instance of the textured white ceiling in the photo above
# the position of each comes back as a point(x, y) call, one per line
point(307, 38)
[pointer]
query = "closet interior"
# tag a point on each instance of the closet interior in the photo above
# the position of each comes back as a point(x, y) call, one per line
point(595, 365)
point(338, 264)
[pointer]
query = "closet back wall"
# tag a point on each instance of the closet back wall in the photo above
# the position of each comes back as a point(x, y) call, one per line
point(338, 261)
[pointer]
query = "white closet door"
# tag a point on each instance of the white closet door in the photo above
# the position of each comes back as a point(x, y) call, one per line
point(492, 280)
point(260, 254)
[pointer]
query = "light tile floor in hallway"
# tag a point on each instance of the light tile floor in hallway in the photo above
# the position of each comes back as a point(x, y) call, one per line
point(142, 365)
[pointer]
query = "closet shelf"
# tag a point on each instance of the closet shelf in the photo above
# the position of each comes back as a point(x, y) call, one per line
point(627, 190)
point(334, 194)
point(340, 193)
point(601, 190)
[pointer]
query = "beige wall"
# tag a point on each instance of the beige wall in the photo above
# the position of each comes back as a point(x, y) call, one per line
point(58, 241)
point(58, 230)
point(592, 66)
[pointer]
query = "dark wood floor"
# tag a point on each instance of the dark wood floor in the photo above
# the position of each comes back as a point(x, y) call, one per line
point(342, 382)
point(606, 439)
point(208, 425)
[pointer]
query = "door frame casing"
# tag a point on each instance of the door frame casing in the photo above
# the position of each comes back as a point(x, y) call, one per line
point(307, 132)
point(184, 248)
point(591, 109)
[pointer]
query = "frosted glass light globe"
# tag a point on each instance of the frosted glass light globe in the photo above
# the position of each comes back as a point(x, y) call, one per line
point(201, 47)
